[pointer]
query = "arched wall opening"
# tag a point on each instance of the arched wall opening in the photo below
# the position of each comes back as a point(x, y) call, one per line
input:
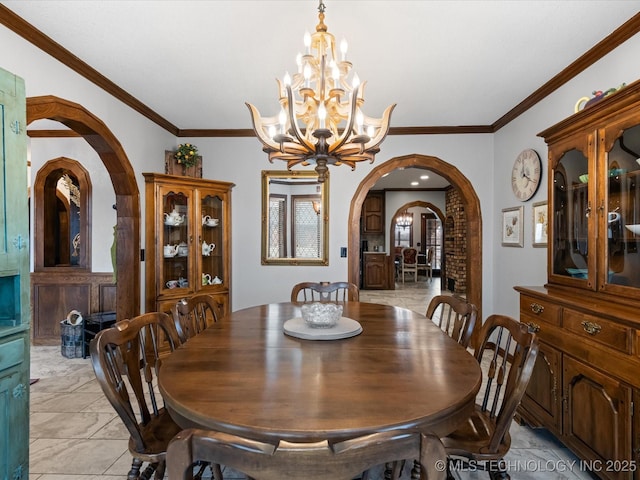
point(107, 146)
point(471, 204)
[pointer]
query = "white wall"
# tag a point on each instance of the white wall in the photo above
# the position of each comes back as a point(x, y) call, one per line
point(485, 159)
point(528, 265)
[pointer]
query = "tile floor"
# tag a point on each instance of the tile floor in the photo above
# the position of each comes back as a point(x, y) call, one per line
point(76, 435)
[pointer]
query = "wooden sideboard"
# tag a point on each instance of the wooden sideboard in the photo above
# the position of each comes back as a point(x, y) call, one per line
point(585, 382)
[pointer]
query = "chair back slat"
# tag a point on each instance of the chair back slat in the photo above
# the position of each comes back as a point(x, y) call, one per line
point(506, 356)
point(311, 461)
point(338, 292)
point(192, 315)
point(455, 316)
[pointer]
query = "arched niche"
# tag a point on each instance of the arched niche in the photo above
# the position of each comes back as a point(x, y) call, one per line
point(107, 146)
point(407, 206)
point(58, 218)
point(471, 205)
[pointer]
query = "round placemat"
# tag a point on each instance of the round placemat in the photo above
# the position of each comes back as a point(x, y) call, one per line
point(345, 328)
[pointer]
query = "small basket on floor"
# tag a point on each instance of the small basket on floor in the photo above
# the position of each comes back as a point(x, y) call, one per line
point(71, 335)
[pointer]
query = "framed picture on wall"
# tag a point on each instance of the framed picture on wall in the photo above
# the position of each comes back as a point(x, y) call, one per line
point(540, 224)
point(512, 227)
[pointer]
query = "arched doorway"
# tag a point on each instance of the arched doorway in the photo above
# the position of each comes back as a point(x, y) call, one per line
point(107, 146)
point(471, 205)
point(405, 207)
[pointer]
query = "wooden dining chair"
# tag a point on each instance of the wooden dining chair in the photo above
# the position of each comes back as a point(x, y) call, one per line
point(455, 316)
point(409, 263)
point(506, 355)
point(325, 292)
point(126, 361)
point(312, 461)
point(192, 315)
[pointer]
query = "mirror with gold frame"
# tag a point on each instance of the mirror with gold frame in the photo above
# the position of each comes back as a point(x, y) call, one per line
point(295, 218)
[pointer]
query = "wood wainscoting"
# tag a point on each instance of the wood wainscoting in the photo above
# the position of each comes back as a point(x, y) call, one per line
point(54, 295)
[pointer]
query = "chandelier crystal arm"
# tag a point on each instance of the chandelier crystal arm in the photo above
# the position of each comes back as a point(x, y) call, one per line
point(321, 122)
point(294, 128)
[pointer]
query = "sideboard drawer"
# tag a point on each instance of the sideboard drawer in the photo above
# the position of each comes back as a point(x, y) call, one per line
point(595, 328)
point(540, 309)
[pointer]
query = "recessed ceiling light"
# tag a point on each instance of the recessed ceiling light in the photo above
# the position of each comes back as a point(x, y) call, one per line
point(415, 183)
point(424, 177)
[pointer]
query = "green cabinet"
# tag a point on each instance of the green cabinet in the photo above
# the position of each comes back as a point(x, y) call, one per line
point(14, 281)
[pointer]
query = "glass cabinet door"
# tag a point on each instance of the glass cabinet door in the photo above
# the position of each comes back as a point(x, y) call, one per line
point(174, 271)
point(620, 220)
point(211, 239)
point(571, 242)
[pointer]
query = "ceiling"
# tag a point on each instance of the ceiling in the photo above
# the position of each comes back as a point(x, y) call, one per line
point(444, 63)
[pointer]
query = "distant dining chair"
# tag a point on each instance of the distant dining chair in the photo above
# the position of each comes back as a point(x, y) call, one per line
point(311, 461)
point(409, 263)
point(455, 316)
point(325, 292)
point(126, 361)
point(192, 315)
point(506, 355)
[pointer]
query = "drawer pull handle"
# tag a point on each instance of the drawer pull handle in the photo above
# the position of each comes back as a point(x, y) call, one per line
point(537, 308)
point(591, 328)
point(533, 327)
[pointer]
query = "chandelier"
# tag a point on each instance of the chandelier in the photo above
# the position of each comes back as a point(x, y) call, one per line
point(405, 219)
point(321, 121)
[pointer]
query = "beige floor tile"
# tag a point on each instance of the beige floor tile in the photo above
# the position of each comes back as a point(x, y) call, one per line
point(121, 466)
point(62, 384)
point(92, 386)
point(68, 425)
point(62, 402)
point(115, 429)
point(78, 477)
point(75, 456)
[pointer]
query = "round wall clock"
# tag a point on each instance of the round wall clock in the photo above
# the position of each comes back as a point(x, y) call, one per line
point(525, 175)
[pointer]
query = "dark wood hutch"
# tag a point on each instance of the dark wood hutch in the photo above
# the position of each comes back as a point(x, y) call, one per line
point(587, 376)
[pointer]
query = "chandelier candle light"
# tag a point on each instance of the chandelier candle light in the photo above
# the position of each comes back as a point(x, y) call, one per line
point(320, 103)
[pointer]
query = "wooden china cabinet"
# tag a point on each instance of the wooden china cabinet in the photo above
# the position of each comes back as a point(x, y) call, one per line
point(188, 240)
point(587, 376)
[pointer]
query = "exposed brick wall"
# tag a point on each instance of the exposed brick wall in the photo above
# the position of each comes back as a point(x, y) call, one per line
point(455, 242)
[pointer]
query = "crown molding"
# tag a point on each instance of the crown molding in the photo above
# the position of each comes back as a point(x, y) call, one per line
point(27, 31)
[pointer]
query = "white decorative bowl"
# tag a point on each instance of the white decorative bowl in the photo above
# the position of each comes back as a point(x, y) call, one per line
point(634, 228)
point(321, 315)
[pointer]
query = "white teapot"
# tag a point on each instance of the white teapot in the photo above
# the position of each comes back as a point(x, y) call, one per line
point(183, 249)
point(170, 250)
point(207, 248)
point(173, 218)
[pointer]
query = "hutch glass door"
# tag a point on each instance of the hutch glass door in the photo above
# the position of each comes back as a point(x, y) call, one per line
point(175, 242)
point(212, 240)
point(621, 213)
point(570, 217)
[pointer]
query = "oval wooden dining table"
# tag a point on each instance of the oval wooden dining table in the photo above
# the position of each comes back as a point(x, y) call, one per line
point(244, 375)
